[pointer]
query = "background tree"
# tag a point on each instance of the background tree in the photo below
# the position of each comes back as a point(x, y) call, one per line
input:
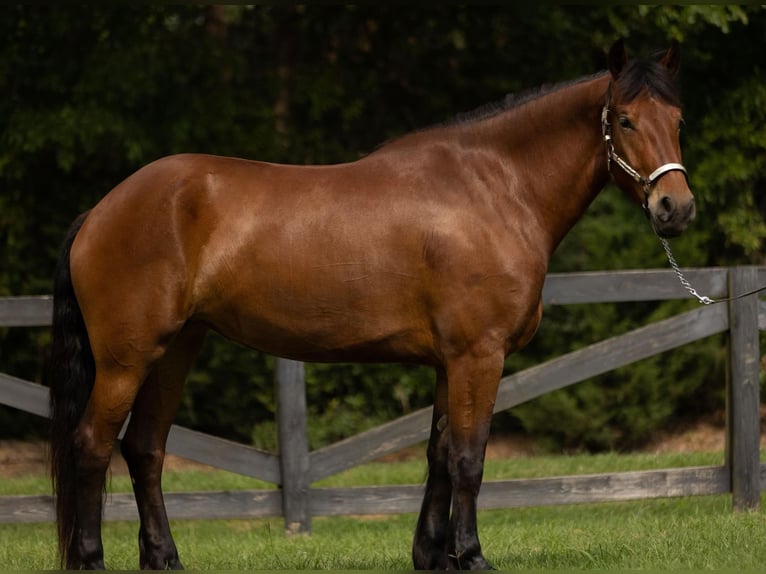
point(90, 94)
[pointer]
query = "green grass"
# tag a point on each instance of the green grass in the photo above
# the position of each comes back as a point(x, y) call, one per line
point(699, 533)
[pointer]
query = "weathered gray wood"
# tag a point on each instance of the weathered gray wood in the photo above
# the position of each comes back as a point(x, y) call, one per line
point(369, 445)
point(38, 508)
point(180, 506)
point(743, 391)
point(243, 504)
point(530, 383)
point(362, 500)
point(293, 445)
point(227, 455)
point(223, 454)
point(638, 285)
point(762, 315)
point(607, 355)
point(515, 493)
point(610, 487)
point(23, 395)
point(560, 288)
point(26, 311)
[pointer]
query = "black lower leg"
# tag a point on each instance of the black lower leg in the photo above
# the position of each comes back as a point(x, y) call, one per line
point(86, 550)
point(464, 548)
point(429, 549)
point(157, 549)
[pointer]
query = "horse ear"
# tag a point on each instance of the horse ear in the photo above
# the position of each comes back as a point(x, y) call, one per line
point(672, 59)
point(617, 58)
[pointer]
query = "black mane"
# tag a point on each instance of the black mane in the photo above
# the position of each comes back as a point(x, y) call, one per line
point(638, 74)
point(513, 100)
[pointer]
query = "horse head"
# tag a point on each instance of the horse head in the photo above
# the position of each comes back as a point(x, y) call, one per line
point(641, 121)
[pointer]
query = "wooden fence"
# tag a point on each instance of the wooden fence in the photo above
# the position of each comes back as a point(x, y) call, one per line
point(742, 473)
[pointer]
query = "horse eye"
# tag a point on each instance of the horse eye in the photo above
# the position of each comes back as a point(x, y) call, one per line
point(681, 124)
point(625, 123)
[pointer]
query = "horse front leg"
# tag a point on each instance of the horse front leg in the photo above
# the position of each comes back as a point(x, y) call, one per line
point(429, 547)
point(473, 383)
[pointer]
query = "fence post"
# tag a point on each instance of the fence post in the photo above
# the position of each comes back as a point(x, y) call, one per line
point(742, 391)
point(293, 445)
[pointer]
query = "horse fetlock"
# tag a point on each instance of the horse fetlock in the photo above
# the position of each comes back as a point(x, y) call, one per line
point(157, 553)
point(429, 553)
point(89, 555)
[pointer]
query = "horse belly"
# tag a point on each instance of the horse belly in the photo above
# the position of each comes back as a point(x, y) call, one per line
point(298, 291)
point(305, 322)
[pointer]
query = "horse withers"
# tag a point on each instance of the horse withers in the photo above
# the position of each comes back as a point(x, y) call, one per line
point(431, 250)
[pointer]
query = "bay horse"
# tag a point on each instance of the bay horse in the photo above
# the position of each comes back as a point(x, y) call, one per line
point(432, 250)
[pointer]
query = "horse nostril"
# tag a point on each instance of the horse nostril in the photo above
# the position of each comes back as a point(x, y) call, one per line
point(667, 203)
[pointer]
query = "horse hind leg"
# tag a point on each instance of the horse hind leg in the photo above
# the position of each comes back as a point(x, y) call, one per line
point(93, 441)
point(144, 446)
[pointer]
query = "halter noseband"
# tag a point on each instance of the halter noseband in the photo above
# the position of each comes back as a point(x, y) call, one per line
point(612, 155)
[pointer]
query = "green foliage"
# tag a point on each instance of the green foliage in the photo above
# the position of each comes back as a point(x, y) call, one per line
point(92, 93)
point(344, 399)
point(228, 391)
point(735, 130)
point(623, 408)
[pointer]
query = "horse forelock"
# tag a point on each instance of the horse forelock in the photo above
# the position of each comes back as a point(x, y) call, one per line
point(649, 74)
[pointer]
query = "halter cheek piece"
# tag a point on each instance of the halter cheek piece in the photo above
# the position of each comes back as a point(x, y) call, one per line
point(612, 155)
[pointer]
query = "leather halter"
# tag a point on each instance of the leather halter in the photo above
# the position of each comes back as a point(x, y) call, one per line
point(612, 155)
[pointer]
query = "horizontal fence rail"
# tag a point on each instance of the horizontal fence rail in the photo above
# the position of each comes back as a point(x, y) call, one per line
point(296, 468)
point(495, 494)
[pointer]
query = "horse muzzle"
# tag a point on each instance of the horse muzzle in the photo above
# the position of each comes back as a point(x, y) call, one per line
point(670, 216)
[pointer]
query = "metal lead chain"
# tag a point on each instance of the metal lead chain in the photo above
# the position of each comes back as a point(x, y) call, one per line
point(684, 281)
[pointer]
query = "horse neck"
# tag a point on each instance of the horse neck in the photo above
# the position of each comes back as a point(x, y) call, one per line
point(557, 161)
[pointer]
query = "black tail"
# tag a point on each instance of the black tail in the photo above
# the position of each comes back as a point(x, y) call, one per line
point(70, 376)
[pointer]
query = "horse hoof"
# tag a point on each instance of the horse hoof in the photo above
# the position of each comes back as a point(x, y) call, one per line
point(171, 564)
point(465, 563)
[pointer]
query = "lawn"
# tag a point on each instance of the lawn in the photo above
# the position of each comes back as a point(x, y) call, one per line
point(699, 533)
